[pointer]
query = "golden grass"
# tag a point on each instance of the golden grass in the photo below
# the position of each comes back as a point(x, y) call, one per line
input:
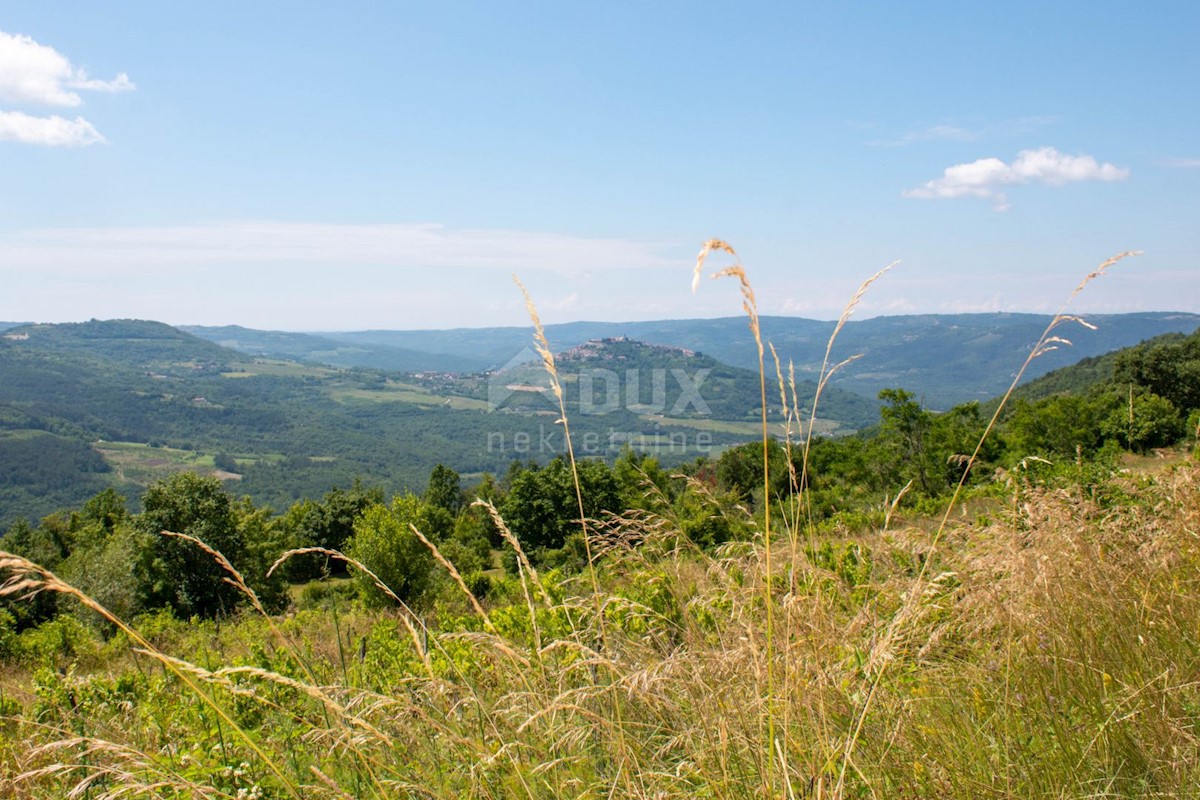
point(1054, 597)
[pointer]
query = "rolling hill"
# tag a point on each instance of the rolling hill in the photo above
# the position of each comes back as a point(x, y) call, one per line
point(945, 359)
point(123, 402)
point(1089, 373)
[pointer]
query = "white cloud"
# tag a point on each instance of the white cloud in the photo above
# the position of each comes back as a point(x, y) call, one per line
point(37, 74)
point(1182, 163)
point(985, 177)
point(121, 83)
point(52, 131)
point(34, 74)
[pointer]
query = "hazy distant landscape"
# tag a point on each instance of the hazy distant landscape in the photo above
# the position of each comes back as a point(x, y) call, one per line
point(945, 358)
point(123, 403)
point(599, 401)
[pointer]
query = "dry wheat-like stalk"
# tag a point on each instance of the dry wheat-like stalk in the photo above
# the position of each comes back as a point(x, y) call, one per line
point(542, 345)
point(454, 574)
point(750, 306)
point(709, 246)
point(543, 348)
point(525, 571)
point(914, 597)
point(134, 773)
point(827, 372)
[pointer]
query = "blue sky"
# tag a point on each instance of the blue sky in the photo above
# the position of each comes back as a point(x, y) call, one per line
point(318, 166)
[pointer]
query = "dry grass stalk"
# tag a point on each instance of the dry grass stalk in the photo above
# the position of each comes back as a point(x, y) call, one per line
point(827, 372)
point(710, 246)
point(1047, 339)
point(750, 306)
point(525, 571)
point(454, 574)
point(543, 348)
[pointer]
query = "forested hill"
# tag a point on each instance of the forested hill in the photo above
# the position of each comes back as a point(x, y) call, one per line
point(657, 381)
point(127, 343)
point(1167, 365)
point(944, 358)
point(126, 402)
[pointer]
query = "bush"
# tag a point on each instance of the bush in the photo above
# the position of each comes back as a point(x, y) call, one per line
point(385, 544)
point(62, 639)
point(1146, 421)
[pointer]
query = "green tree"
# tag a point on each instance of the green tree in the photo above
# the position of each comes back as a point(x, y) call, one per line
point(709, 519)
point(1060, 425)
point(740, 470)
point(541, 508)
point(904, 425)
point(444, 490)
point(265, 539)
point(487, 489)
point(174, 573)
point(950, 441)
point(106, 509)
point(469, 547)
point(225, 463)
point(641, 480)
point(1169, 369)
point(32, 543)
point(328, 523)
point(99, 567)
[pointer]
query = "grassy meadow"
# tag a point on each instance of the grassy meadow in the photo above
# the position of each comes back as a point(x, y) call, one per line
point(1034, 637)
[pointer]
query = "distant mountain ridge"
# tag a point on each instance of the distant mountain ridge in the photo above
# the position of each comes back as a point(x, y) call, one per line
point(117, 402)
point(945, 359)
point(132, 342)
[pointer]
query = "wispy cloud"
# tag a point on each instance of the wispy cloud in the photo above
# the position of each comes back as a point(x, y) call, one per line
point(330, 276)
point(561, 303)
point(35, 74)
point(1181, 163)
point(284, 244)
point(946, 132)
point(986, 177)
point(54, 131)
point(952, 133)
